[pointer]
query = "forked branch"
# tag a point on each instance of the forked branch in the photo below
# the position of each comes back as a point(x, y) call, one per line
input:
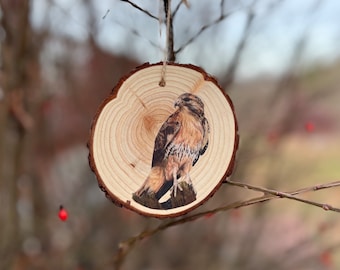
point(126, 246)
point(292, 195)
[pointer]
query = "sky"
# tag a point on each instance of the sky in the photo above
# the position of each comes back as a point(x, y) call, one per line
point(121, 29)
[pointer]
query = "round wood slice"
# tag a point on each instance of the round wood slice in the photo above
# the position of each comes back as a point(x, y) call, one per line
point(123, 140)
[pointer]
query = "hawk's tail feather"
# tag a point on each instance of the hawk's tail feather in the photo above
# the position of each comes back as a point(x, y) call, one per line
point(153, 182)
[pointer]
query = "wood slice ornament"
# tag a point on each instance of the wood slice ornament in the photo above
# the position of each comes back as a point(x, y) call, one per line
point(163, 150)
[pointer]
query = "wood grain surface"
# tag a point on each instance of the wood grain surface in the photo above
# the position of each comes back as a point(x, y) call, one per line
point(126, 124)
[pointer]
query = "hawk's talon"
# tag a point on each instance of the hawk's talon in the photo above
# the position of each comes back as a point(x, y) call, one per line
point(188, 180)
point(175, 185)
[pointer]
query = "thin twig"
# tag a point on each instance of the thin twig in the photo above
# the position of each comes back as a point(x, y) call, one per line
point(176, 9)
point(135, 32)
point(291, 195)
point(126, 246)
point(235, 61)
point(203, 29)
point(178, 6)
point(141, 9)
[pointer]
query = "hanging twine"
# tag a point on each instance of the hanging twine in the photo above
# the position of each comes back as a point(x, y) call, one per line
point(167, 6)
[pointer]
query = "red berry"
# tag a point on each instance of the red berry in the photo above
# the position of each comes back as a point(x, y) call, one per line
point(309, 126)
point(62, 213)
point(273, 136)
point(326, 258)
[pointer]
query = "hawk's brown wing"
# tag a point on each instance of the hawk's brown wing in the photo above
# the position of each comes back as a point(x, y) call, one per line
point(166, 134)
point(205, 130)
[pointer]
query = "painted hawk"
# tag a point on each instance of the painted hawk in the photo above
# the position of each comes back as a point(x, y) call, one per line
point(181, 140)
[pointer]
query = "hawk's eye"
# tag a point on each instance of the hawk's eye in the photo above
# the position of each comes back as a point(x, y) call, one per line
point(186, 99)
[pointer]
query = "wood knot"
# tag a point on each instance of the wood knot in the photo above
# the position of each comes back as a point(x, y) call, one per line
point(149, 123)
point(133, 165)
point(162, 83)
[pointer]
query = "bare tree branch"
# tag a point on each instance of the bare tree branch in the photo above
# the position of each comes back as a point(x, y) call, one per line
point(291, 195)
point(202, 30)
point(126, 246)
point(141, 9)
point(171, 55)
point(178, 6)
point(239, 49)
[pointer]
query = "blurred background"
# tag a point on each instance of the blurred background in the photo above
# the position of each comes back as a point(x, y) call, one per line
point(279, 60)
